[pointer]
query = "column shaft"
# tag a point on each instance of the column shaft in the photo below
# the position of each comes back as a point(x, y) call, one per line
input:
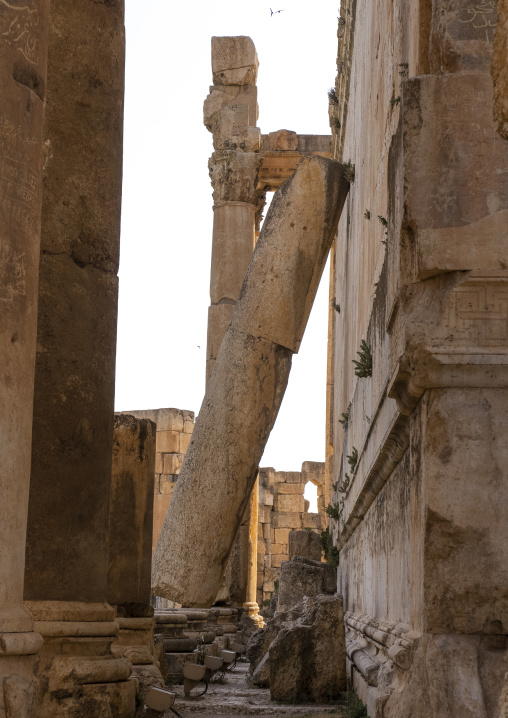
point(23, 61)
point(67, 536)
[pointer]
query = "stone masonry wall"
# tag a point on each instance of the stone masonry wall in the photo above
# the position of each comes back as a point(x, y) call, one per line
point(174, 431)
point(416, 440)
point(282, 508)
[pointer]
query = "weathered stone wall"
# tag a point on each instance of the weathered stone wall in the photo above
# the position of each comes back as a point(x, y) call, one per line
point(282, 509)
point(415, 434)
point(173, 435)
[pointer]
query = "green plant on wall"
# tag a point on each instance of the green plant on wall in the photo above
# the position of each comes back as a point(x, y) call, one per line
point(352, 459)
point(364, 363)
point(334, 511)
point(330, 551)
point(344, 420)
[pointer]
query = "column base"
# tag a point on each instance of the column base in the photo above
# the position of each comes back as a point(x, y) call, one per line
point(135, 643)
point(19, 646)
point(253, 612)
point(79, 675)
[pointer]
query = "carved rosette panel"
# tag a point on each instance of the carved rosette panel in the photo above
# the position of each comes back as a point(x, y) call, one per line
point(234, 176)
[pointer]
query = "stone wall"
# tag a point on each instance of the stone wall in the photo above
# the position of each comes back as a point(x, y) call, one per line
point(282, 508)
point(415, 446)
point(173, 435)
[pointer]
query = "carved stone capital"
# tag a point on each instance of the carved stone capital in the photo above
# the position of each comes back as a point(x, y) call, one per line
point(234, 176)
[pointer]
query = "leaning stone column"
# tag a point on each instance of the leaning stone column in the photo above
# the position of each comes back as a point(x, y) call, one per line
point(23, 60)
point(246, 388)
point(67, 536)
point(130, 546)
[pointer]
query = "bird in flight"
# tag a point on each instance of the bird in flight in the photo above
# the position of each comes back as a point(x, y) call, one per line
point(274, 12)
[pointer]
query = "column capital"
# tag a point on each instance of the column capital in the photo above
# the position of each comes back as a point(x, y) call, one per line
point(234, 176)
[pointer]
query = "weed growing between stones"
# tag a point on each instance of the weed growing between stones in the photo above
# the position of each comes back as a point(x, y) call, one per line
point(332, 96)
point(352, 459)
point(351, 705)
point(363, 365)
point(330, 551)
point(344, 420)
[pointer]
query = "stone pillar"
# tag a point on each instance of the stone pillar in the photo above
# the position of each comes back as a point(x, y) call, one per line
point(230, 113)
point(67, 536)
point(252, 565)
point(245, 390)
point(130, 546)
point(23, 59)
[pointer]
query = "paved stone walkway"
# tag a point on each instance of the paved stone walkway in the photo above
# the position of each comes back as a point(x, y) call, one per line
point(237, 699)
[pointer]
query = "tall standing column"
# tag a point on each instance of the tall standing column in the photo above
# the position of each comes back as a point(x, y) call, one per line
point(23, 58)
point(67, 537)
point(251, 603)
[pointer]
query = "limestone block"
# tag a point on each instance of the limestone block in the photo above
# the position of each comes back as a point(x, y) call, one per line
point(287, 520)
point(288, 477)
point(276, 548)
point(288, 502)
point(185, 440)
point(188, 427)
point(283, 140)
point(449, 218)
point(308, 659)
point(168, 482)
point(265, 514)
point(316, 468)
point(234, 61)
point(231, 131)
point(302, 577)
point(499, 69)
point(266, 531)
point(306, 544)
point(313, 521)
point(168, 442)
point(268, 500)
point(158, 463)
point(172, 463)
point(289, 489)
point(169, 420)
point(282, 278)
point(281, 537)
point(216, 100)
point(277, 559)
point(156, 483)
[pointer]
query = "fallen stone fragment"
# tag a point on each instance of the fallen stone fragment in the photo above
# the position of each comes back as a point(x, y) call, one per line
point(303, 577)
point(245, 390)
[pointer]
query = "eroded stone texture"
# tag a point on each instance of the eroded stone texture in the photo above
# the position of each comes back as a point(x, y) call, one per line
point(234, 61)
point(499, 69)
point(246, 387)
point(423, 546)
point(307, 659)
point(306, 544)
point(23, 61)
point(130, 546)
point(67, 547)
point(301, 578)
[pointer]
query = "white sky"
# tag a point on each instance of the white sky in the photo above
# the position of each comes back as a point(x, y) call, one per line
point(167, 202)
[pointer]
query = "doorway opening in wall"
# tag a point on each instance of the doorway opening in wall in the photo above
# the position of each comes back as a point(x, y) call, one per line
point(311, 495)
